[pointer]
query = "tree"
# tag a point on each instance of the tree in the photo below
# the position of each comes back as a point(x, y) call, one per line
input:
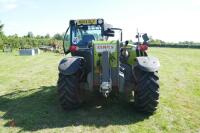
point(1, 43)
point(1, 35)
point(47, 36)
point(1, 28)
point(155, 41)
point(58, 36)
point(30, 34)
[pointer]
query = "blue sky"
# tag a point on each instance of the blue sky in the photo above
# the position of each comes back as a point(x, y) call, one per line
point(169, 20)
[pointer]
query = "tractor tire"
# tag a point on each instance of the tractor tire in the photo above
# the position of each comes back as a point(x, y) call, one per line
point(146, 94)
point(69, 91)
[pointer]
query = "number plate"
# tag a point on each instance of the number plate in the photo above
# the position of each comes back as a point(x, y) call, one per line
point(105, 47)
point(86, 22)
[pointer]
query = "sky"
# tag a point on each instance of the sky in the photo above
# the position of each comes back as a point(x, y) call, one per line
point(168, 20)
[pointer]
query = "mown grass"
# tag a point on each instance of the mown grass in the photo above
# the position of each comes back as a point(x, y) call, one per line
point(28, 100)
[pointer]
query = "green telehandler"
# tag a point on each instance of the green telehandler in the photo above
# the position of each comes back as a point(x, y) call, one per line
point(101, 61)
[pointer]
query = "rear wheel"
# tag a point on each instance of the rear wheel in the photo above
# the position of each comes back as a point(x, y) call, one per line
point(69, 91)
point(146, 94)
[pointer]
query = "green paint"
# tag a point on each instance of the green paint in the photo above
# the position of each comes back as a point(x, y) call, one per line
point(113, 55)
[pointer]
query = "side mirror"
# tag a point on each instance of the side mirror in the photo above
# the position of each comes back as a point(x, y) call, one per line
point(126, 43)
point(109, 32)
point(145, 37)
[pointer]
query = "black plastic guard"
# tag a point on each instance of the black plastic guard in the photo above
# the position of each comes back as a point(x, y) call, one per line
point(70, 65)
point(149, 64)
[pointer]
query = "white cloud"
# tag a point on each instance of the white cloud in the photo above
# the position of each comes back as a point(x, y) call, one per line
point(196, 2)
point(10, 6)
point(7, 5)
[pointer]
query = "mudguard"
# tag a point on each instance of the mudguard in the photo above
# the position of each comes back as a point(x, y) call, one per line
point(70, 65)
point(149, 64)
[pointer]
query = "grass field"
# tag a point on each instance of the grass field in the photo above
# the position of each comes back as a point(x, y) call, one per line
point(28, 100)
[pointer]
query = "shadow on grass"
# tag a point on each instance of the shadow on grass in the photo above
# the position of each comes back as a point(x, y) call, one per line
point(41, 110)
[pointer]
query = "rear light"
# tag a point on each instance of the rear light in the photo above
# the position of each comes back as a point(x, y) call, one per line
point(143, 47)
point(73, 48)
